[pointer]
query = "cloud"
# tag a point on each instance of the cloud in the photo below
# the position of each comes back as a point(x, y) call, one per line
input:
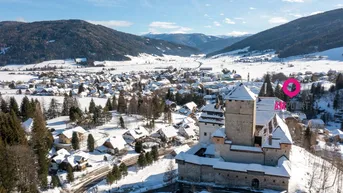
point(294, 1)
point(20, 19)
point(295, 15)
point(238, 18)
point(316, 12)
point(339, 5)
point(112, 23)
point(207, 5)
point(252, 8)
point(216, 23)
point(277, 20)
point(167, 27)
point(222, 14)
point(206, 15)
point(208, 26)
point(237, 33)
point(228, 21)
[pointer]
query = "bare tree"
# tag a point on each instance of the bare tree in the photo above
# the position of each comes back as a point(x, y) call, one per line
point(170, 173)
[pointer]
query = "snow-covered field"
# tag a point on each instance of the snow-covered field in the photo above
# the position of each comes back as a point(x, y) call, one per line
point(317, 62)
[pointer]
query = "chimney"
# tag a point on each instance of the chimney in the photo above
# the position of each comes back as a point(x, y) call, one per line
point(270, 139)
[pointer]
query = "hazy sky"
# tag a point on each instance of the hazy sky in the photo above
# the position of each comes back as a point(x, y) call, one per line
point(216, 17)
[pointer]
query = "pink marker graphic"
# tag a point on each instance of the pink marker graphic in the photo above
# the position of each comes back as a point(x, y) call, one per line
point(291, 93)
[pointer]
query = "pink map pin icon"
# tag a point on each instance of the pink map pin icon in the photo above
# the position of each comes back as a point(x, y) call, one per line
point(291, 93)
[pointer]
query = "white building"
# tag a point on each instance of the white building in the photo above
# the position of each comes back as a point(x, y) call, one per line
point(211, 118)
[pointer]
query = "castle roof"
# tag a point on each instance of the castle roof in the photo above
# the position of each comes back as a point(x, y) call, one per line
point(241, 92)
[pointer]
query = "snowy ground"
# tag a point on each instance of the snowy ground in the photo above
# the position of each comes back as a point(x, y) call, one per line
point(140, 179)
point(317, 62)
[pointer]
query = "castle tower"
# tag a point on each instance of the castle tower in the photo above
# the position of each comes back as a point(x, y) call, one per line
point(240, 115)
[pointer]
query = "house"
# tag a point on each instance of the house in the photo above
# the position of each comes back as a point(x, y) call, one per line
point(188, 108)
point(168, 133)
point(58, 158)
point(66, 136)
point(77, 161)
point(115, 145)
point(136, 134)
point(188, 131)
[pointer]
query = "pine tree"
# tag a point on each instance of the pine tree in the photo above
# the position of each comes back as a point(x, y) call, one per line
point(90, 143)
point(91, 106)
point(75, 141)
point(138, 147)
point(335, 101)
point(109, 105)
point(70, 175)
point(133, 105)
point(55, 182)
point(116, 173)
point(14, 106)
point(154, 153)
point(267, 88)
point(41, 141)
point(339, 82)
point(121, 120)
point(122, 106)
point(26, 109)
point(66, 106)
point(123, 169)
point(75, 113)
point(149, 158)
point(142, 160)
point(114, 103)
point(156, 107)
point(53, 110)
point(110, 178)
point(80, 89)
point(4, 106)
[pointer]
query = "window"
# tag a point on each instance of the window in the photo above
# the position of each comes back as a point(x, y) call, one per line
point(228, 175)
point(214, 124)
point(274, 181)
point(236, 176)
point(283, 182)
point(218, 140)
point(265, 179)
point(205, 134)
point(205, 123)
point(246, 177)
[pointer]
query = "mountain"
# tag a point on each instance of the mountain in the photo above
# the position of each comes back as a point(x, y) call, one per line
point(205, 43)
point(47, 40)
point(302, 36)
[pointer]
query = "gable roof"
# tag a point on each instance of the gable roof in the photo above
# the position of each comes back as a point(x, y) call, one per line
point(69, 133)
point(241, 92)
point(169, 132)
point(138, 132)
point(117, 142)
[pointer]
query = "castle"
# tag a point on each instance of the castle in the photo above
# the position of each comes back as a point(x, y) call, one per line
point(252, 150)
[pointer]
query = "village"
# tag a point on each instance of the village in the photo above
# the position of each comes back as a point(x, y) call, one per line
point(99, 120)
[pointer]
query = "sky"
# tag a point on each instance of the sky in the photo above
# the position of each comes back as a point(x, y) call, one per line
point(212, 17)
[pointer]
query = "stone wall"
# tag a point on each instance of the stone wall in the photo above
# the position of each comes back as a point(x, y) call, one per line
point(272, 155)
point(209, 129)
point(191, 172)
point(240, 121)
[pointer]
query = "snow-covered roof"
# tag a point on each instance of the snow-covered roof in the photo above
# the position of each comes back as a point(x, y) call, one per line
point(246, 148)
point(212, 108)
point(190, 105)
point(117, 142)
point(219, 133)
point(138, 132)
point(210, 150)
point(241, 92)
point(189, 130)
point(27, 125)
point(69, 133)
point(182, 148)
point(169, 132)
point(282, 169)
